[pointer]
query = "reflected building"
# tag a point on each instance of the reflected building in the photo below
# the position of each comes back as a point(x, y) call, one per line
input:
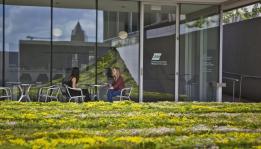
point(77, 53)
point(11, 65)
point(171, 50)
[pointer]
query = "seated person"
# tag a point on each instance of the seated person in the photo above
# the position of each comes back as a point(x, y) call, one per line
point(72, 82)
point(117, 84)
point(108, 75)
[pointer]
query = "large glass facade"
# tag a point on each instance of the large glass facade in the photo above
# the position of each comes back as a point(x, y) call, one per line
point(242, 13)
point(241, 46)
point(159, 52)
point(27, 42)
point(199, 50)
point(74, 38)
point(43, 41)
point(1, 43)
point(118, 42)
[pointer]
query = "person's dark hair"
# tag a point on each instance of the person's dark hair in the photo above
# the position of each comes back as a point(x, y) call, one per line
point(108, 73)
point(75, 73)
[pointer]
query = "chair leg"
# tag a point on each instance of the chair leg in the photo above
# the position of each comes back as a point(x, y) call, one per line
point(9, 94)
point(39, 96)
point(29, 98)
point(20, 98)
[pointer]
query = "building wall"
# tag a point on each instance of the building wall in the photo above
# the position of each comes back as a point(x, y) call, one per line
point(1, 69)
point(160, 77)
point(129, 56)
point(65, 56)
point(242, 55)
point(11, 66)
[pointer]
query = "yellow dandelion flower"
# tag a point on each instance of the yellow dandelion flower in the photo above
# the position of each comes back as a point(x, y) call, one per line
point(18, 141)
point(135, 140)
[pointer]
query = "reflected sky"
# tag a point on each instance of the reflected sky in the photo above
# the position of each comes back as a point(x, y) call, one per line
point(23, 21)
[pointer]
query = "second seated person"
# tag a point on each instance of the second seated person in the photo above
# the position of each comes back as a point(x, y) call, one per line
point(73, 80)
point(117, 84)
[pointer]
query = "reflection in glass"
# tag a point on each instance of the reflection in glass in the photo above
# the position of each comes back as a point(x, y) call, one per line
point(199, 48)
point(243, 13)
point(27, 43)
point(74, 37)
point(120, 42)
point(159, 52)
point(1, 42)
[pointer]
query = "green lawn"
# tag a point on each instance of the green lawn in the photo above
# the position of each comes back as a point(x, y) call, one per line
point(129, 125)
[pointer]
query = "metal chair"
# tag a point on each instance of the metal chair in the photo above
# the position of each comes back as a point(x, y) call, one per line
point(70, 96)
point(50, 92)
point(125, 93)
point(6, 92)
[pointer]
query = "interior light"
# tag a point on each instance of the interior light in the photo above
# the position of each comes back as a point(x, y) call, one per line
point(123, 35)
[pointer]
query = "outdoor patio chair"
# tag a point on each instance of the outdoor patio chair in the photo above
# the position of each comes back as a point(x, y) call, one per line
point(70, 96)
point(6, 93)
point(125, 93)
point(50, 92)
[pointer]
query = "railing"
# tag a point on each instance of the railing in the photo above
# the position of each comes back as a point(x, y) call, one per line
point(239, 78)
point(234, 84)
point(190, 85)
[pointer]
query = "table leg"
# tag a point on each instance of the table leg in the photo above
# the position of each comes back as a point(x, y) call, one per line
point(24, 92)
point(12, 93)
point(98, 94)
point(28, 97)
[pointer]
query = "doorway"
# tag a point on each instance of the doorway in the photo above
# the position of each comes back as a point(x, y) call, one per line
point(159, 32)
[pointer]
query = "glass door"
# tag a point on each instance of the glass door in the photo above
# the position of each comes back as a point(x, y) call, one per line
point(159, 52)
point(199, 52)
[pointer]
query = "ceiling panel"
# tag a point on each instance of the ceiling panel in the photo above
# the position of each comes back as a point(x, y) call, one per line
point(119, 5)
point(203, 1)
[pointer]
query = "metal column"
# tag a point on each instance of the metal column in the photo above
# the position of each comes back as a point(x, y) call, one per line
point(220, 81)
point(141, 50)
point(177, 54)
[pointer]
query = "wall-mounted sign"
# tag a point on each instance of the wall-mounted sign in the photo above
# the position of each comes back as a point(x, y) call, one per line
point(156, 60)
point(156, 56)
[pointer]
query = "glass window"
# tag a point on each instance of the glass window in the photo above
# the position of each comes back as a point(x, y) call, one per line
point(118, 43)
point(199, 52)
point(242, 13)
point(27, 42)
point(74, 37)
point(241, 46)
point(1, 42)
point(159, 52)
